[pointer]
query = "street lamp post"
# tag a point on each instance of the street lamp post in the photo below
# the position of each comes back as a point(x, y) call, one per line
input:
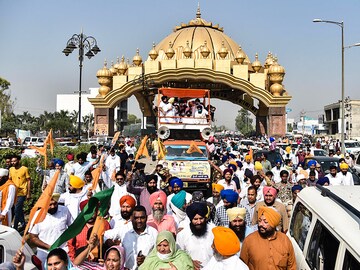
point(81, 42)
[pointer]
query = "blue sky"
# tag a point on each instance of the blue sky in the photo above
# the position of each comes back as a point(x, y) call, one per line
point(33, 34)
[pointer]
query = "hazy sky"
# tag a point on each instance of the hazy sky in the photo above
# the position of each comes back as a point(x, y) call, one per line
point(33, 34)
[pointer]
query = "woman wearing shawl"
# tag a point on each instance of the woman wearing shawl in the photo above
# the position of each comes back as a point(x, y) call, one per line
point(166, 255)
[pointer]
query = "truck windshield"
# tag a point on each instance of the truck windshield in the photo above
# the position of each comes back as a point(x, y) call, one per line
point(178, 152)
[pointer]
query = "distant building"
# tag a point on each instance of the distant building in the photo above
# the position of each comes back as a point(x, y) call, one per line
point(352, 118)
point(309, 126)
point(70, 102)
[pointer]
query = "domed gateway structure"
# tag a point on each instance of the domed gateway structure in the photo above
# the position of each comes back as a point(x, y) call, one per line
point(197, 55)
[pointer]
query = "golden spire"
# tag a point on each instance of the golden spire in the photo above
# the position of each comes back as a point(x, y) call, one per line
point(256, 64)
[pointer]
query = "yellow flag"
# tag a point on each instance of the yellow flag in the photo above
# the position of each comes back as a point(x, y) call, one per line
point(193, 148)
point(162, 149)
point(142, 151)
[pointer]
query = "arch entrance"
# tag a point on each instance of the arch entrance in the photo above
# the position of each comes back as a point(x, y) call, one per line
point(196, 55)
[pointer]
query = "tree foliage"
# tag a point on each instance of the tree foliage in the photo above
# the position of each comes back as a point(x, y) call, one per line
point(243, 122)
point(6, 104)
point(132, 119)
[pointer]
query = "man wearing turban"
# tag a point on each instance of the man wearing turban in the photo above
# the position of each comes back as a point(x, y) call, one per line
point(215, 199)
point(258, 250)
point(226, 246)
point(63, 180)
point(176, 186)
point(276, 171)
point(197, 238)
point(345, 176)
point(230, 199)
point(238, 223)
point(158, 219)
point(270, 194)
point(227, 182)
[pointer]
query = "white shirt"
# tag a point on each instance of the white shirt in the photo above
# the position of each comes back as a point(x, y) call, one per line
point(130, 149)
point(80, 170)
point(68, 168)
point(276, 172)
point(231, 263)
point(347, 180)
point(9, 203)
point(72, 201)
point(119, 227)
point(188, 198)
point(232, 185)
point(51, 228)
point(335, 181)
point(112, 164)
point(199, 248)
point(133, 243)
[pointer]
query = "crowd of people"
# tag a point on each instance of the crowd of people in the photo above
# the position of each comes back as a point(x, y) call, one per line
point(154, 223)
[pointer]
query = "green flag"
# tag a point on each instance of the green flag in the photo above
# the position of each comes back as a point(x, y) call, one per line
point(75, 228)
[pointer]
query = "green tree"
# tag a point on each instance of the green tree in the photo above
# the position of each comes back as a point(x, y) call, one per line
point(132, 119)
point(243, 122)
point(6, 104)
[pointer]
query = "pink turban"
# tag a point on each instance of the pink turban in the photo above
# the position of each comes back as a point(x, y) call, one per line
point(158, 195)
point(272, 190)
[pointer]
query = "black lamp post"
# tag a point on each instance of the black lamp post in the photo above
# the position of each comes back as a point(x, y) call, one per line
point(81, 42)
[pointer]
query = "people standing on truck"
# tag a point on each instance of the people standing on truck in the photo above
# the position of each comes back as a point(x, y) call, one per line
point(201, 115)
point(21, 178)
point(7, 198)
point(267, 247)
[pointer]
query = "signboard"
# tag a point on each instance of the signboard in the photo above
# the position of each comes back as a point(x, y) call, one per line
point(101, 129)
point(189, 169)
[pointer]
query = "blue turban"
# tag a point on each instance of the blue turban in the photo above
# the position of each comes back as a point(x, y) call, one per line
point(278, 161)
point(224, 159)
point(230, 195)
point(239, 164)
point(323, 180)
point(199, 208)
point(272, 139)
point(232, 166)
point(59, 162)
point(232, 155)
point(296, 187)
point(179, 199)
point(311, 163)
point(177, 181)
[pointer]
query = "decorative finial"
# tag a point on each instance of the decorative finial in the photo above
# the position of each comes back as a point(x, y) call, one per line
point(105, 63)
point(198, 13)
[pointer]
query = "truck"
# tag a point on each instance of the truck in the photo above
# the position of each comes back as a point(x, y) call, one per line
point(184, 134)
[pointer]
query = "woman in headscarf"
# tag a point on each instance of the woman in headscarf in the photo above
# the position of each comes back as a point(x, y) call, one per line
point(58, 259)
point(165, 255)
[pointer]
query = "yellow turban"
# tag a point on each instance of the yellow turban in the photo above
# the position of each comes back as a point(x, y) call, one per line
point(233, 162)
point(288, 149)
point(236, 212)
point(76, 181)
point(225, 241)
point(271, 215)
point(258, 166)
point(217, 187)
point(344, 165)
point(247, 158)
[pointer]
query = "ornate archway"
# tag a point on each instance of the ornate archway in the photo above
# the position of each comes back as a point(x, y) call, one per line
point(196, 55)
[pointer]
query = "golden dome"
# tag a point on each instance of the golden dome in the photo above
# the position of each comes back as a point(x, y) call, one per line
point(256, 65)
point(275, 68)
point(187, 51)
point(170, 51)
point(269, 60)
point(112, 69)
point(196, 32)
point(223, 52)
point(122, 66)
point(240, 56)
point(205, 50)
point(153, 53)
point(104, 72)
point(137, 60)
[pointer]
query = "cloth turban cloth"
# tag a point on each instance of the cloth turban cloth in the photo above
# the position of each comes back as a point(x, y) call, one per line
point(76, 181)
point(176, 181)
point(299, 177)
point(229, 195)
point(258, 166)
point(195, 208)
point(227, 171)
point(323, 180)
point(225, 241)
point(59, 162)
point(311, 163)
point(4, 172)
point(288, 149)
point(233, 162)
point(232, 155)
point(236, 212)
point(55, 197)
point(217, 187)
point(272, 216)
point(247, 158)
point(344, 165)
point(232, 167)
point(129, 200)
point(70, 157)
point(272, 139)
point(158, 195)
point(239, 164)
point(296, 187)
point(224, 159)
point(248, 173)
point(179, 199)
point(278, 161)
point(272, 190)
point(150, 177)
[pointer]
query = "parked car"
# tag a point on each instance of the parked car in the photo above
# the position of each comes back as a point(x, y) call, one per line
point(352, 147)
point(357, 165)
point(326, 162)
point(319, 152)
point(324, 228)
point(243, 144)
point(272, 156)
point(35, 141)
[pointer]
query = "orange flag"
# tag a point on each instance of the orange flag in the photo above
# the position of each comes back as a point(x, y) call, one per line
point(51, 141)
point(193, 148)
point(251, 154)
point(162, 149)
point(40, 209)
point(142, 151)
point(96, 173)
point(99, 229)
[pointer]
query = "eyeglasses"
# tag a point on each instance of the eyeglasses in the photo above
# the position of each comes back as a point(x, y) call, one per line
point(119, 179)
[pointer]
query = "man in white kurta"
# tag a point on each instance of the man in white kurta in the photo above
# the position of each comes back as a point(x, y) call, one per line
point(7, 197)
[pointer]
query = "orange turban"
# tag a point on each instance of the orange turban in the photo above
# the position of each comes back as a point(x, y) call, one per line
point(158, 195)
point(129, 200)
point(76, 181)
point(247, 158)
point(217, 187)
point(225, 241)
point(271, 215)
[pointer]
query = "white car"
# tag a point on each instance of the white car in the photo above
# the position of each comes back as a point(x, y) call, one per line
point(10, 242)
point(245, 143)
point(352, 147)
